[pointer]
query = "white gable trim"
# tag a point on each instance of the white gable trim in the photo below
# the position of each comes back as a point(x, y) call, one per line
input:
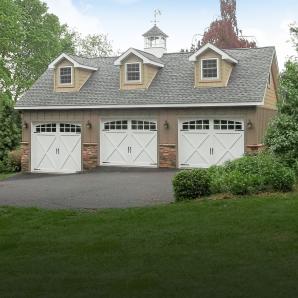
point(136, 53)
point(242, 104)
point(210, 46)
point(74, 62)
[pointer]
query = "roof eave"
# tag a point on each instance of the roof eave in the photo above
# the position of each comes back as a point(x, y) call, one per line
point(73, 61)
point(210, 46)
point(118, 62)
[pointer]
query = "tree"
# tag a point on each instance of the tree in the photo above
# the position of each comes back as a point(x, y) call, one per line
point(224, 31)
point(30, 38)
point(91, 46)
point(282, 135)
point(10, 130)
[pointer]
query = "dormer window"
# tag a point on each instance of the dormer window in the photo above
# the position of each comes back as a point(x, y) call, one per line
point(209, 69)
point(133, 72)
point(66, 75)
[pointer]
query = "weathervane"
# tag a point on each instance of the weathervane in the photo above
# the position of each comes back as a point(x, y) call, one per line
point(157, 13)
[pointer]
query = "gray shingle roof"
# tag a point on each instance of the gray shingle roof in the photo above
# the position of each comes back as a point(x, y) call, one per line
point(150, 56)
point(155, 31)
point(174, 84)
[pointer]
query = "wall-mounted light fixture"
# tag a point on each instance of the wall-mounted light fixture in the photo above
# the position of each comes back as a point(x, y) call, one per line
point(88, 124)
point(249, 124)
point(25, 125)
point(166, 125)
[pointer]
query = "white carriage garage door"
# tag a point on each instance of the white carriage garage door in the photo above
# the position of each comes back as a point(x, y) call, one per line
point(56, 148)
point(207, 142)
point(128, 143)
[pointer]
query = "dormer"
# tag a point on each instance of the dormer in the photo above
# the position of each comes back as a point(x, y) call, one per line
point(69, 74)
point(213, 67)
point(155, 42)
point(137, 69)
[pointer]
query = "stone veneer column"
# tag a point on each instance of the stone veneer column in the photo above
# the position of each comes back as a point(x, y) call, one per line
point(25, 151)
point(89, 156)
point(167, 156)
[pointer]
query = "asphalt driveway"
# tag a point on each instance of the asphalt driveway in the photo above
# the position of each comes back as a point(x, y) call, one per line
point(101, 188)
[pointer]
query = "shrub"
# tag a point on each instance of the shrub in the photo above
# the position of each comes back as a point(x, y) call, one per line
point(191, 184)
point(252, 174)
point(12, 162)
point(217, 179)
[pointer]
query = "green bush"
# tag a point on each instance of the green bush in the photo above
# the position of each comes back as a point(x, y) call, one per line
point(252, 174)
point(217, 179)
point(12, 162)
point(191, 184)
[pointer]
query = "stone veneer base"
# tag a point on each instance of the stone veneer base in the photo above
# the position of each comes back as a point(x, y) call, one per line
point(167, 156)
point(90, 156)
point(25, 156)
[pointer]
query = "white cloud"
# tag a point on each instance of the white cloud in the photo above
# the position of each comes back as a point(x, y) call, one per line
point(279, 37)
point(76, 18)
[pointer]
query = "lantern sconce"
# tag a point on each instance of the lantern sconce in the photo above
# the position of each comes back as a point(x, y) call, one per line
point(88, 125)
point(249, 124)
point(166, 125)
point(25, 125)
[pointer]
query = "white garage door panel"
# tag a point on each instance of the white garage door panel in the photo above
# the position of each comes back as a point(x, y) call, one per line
point(128, 143)
point(114, 147)
point(207, 142)
point(43, 150)
point(56, 148)
point(143, 152)
point(195, 151)
point(69, 153)
point(227, 146)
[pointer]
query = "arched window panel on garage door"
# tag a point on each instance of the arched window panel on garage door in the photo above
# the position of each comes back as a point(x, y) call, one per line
point(227, 125)
point(71, 128)
point(116, 125)
point(196, 125)
point(46, 127)
point(143, 125)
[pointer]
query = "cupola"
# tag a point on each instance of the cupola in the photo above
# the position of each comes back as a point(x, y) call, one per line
point(155, 42)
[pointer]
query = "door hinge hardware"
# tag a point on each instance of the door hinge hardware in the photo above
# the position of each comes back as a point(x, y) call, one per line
point(184, 164)
point(105, 162)
point(35, 169)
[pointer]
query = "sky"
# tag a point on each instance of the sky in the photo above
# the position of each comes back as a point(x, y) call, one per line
point(124, 21)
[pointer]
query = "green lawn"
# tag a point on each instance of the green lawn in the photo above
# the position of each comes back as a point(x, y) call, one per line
point(228, 248)
point(6, 175)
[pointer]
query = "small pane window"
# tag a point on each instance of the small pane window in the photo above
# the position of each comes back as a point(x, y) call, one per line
point(143, 125)
point(44, 128)
point(209, 69)
point(133, 72)
point(227, 125)
point(116, 125)
point(71, 128)
point(65, 75)
point(196, 125)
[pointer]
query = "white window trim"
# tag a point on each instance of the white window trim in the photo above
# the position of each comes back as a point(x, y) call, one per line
point(72, 73)
point(133, 81)
point(217, 66)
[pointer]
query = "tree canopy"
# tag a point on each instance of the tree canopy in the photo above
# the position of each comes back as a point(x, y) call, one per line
point(282, 135)
point(224, 32)
point(31, 37)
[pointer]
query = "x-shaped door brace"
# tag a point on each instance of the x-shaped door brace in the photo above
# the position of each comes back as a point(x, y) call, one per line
point(70, 153)
point(196, 148)
point(143, 147)
point(45, 152)
point(227, 149)
point(116, 147)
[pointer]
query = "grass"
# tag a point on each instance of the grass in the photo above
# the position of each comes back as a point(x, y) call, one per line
point(231, 248)
point(4, 176)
